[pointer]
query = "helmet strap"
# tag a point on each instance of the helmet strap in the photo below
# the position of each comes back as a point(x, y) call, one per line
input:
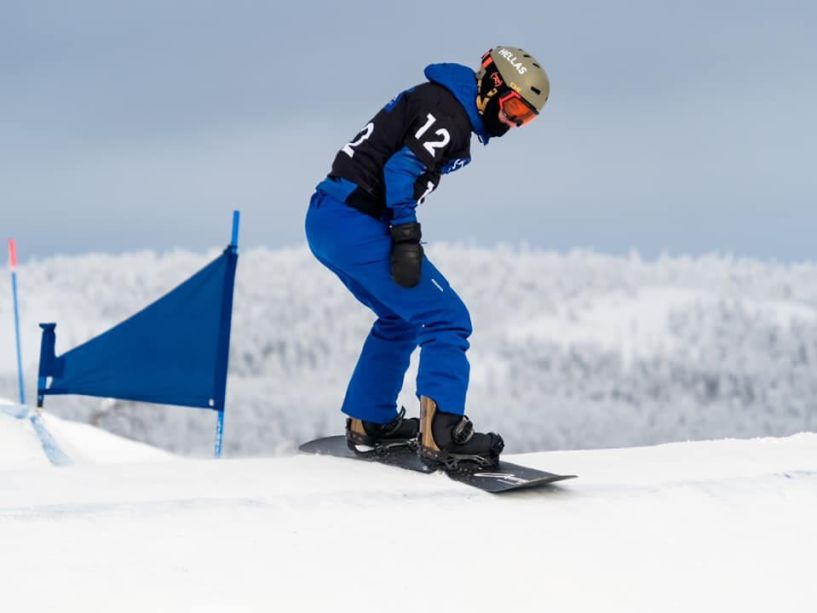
point(482, 101)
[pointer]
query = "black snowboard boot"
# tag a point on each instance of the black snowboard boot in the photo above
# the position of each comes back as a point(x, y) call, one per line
point(449, 440)
point(366, 436)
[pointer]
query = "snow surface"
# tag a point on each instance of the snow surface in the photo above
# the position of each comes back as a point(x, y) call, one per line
point(703, 526)
point(19, 445)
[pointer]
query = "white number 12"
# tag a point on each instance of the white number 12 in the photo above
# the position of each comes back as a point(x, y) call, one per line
point(431, 145)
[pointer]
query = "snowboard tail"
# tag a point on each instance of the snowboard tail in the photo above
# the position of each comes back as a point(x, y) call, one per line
point(504, 477)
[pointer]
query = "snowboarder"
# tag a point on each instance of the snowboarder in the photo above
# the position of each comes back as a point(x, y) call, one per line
point(362, 225)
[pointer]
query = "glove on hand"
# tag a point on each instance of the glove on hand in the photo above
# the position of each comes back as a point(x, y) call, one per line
point(406, 254)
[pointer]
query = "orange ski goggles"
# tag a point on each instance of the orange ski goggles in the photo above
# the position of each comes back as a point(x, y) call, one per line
point(516, 109)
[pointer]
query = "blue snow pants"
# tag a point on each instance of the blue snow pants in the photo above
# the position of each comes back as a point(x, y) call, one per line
point(356, 247)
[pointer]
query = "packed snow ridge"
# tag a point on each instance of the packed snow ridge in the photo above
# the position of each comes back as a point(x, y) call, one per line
point(701, 526)
point(570, 350)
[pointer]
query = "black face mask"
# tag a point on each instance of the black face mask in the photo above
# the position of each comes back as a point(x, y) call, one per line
point(490, 117)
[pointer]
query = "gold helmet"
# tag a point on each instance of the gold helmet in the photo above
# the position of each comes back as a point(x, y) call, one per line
point(511, 80)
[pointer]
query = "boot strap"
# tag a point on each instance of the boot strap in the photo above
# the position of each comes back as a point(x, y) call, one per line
point(463, 431)
point(394, 426)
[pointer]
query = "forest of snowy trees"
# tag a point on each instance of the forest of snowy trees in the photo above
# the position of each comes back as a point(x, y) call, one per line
point(574, 350)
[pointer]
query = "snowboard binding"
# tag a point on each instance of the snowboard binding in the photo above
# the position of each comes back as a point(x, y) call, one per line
point(369, 438)
point(449, 441)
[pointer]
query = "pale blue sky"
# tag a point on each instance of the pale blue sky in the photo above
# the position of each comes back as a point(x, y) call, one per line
point(678, 126)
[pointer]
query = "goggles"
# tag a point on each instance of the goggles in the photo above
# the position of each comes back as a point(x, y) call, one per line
point(516, 109)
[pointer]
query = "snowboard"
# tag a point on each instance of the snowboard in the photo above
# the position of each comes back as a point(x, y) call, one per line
point(505, 477)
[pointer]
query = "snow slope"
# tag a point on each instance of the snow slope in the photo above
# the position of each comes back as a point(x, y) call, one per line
point(20, 447)
point(705, 526)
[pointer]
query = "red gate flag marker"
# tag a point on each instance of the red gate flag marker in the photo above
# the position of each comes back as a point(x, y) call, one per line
point(12, 254)
point(13, 266)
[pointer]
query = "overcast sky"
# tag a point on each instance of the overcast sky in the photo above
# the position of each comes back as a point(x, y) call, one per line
point(683, 127)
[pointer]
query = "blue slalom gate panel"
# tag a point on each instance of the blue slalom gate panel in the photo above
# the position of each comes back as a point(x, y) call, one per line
point(174, 351)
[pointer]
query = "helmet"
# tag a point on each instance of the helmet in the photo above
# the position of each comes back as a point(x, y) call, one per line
point(511, 76)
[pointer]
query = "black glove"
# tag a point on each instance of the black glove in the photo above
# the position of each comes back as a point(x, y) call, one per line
point(406, 254)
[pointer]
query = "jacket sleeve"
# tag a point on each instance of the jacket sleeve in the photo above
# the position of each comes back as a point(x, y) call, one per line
point(401, 172)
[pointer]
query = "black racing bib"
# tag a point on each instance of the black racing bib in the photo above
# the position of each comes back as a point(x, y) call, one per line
point(427, 119)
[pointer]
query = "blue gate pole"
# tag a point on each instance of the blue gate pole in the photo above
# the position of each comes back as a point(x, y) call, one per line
point(220, 419)
point(234, 240)
point(13, 267)
point(219, 432)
